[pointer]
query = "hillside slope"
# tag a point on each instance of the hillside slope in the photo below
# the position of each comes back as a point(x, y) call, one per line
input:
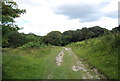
point(101, 53)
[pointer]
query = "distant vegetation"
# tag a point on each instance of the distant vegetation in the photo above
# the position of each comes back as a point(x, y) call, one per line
point(15, 39)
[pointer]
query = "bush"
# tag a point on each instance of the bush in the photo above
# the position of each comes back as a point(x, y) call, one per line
point(32, 45)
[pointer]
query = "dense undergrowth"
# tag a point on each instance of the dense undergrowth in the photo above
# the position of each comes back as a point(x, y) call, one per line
point(101, 52)
point(33, 45)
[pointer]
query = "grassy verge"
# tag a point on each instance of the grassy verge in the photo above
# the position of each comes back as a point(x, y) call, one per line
point(29, 63)
point(101, 53)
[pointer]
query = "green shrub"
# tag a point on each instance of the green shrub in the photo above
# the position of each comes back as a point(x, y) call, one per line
point(32, 45)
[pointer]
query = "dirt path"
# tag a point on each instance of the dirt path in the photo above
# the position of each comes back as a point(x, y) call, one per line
point(59, 58)
point(78, 65)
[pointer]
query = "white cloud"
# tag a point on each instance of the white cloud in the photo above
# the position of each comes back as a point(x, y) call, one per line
point(41, 19)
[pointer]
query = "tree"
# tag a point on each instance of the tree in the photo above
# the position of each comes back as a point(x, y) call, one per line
point(85, 33)
point(53, 38)
point(77, 36)
point(34, 38)
point(98, 30)
point(65, 39)
point(69, 35)
point(16, 39)
point(116, 29)
point(10, 11)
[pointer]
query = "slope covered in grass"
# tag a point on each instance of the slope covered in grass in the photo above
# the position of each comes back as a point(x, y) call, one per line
point(101, 52)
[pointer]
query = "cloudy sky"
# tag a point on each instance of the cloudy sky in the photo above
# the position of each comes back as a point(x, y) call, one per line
point(43, 16)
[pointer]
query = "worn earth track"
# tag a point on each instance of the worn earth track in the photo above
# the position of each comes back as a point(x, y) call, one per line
point(78, 66)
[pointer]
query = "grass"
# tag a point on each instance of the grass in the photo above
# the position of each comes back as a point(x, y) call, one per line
point(37, 64)
point(65, 69)
point(101, 52)
point(29, 63)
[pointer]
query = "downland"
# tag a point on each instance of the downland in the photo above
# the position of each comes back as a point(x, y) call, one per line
point(100, 53)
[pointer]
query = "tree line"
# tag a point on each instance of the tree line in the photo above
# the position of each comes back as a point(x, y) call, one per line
point(16, 39)
point(62, 39)
point(12, 38)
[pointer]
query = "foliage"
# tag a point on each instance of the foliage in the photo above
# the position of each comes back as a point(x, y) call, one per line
point(73, 35)
point(32, 45)
point(62, 39)
point(116, 29)
point(83, 34)
point(98, 31)
point(34, 38)
point(16, 39)
point(10, 11)
point(6, 31)
point(65, 39)
point(53, 38)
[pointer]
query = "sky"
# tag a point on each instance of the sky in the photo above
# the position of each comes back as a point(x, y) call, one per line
point(44, 16)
